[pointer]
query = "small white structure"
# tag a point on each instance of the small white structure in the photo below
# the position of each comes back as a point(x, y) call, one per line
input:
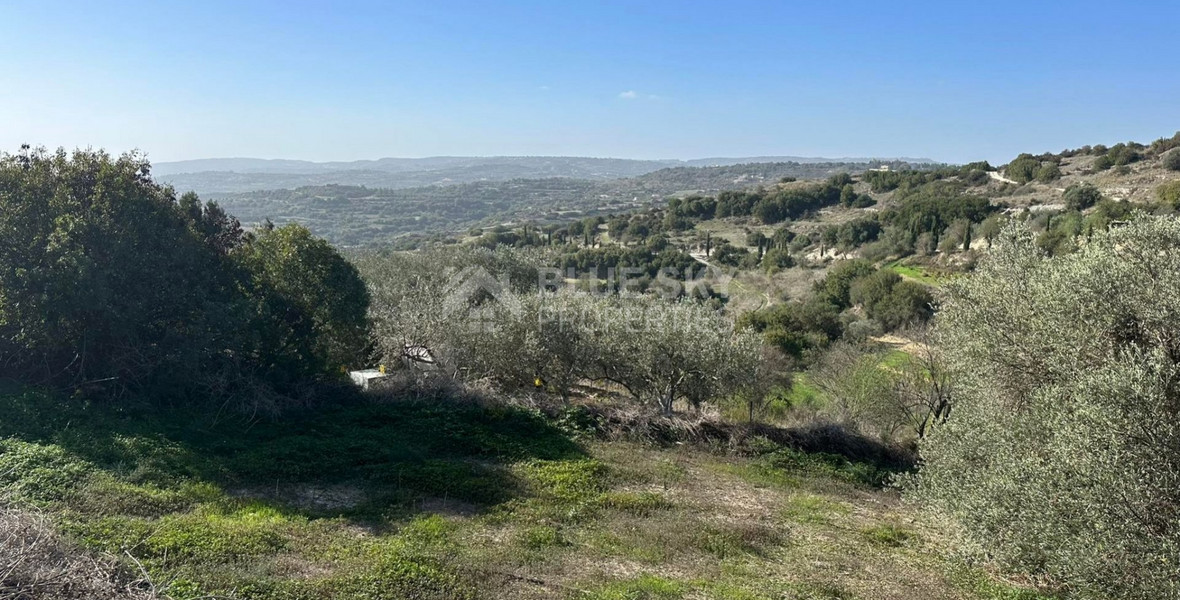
point(366, 377)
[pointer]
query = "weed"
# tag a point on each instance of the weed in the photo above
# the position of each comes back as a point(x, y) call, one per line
point(888, 534)
point(569, 481)
point(812, 509)
point(737, 540)
point(39, 473)
point(541, 538)
point(644, 587)
point(640, 505)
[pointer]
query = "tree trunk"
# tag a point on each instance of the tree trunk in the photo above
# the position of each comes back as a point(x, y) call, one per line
point(666, 405)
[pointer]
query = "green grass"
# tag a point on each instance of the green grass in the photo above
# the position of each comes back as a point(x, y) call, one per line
point(638, 504)
point(644, 587)
point(813, 509)
point(896, 360)
point(209, 507)
point(987, 587)
point(888, 534)
point(804, 393)
point(443, 500)
point(916, 274)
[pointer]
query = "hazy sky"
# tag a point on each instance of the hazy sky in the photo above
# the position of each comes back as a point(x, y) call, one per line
point(954, 81)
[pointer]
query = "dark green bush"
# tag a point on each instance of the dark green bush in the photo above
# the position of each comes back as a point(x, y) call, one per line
point(110, 280)
point(1048, 173)
point(777, 259)
point(891, 301)
point(1023, 168)
point(1081, 196)
point(1171, 160)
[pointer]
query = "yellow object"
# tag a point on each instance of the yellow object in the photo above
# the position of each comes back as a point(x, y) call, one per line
point(381, 369)
point(537, 382)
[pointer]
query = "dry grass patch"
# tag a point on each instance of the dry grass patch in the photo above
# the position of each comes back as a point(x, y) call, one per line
point(37, 564)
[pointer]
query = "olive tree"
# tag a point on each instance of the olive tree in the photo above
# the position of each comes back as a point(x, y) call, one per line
point(420, 299)
point(763, 380)
point(516, 334)
point(922, 384)
point(537, 339)
point(662, 352)
point(1062, 454)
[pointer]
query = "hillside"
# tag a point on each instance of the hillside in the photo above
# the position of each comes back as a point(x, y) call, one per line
point(246, 175)
point(778, 391)
point(354, 215)
point(236, 175)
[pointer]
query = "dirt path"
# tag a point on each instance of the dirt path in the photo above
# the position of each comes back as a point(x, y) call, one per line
point(995, 175)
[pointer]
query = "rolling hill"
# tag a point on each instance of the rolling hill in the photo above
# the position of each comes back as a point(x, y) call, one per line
point(353, 215)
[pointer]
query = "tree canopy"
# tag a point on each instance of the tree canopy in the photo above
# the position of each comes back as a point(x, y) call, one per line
point(1061, 454)
point(106, 277)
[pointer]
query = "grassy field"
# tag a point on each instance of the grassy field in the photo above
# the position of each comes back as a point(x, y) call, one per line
point(917, 273)
point(433, 499)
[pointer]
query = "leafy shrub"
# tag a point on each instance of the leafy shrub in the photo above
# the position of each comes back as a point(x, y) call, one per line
point(728, 254)
point(891, 301)
point(1048, 173)
point(1024, 168)
point(777, 259)
point(1169, 193)
point(1124, 154)
point(1059, 457)
point(1082, 196)
point(854, 233)
point(863, 201)
point(1171, 160)
point(106, 274)
point(932, 211)
point(796, 328)
point(313, 301)
point(824, 465)
point(836, 287)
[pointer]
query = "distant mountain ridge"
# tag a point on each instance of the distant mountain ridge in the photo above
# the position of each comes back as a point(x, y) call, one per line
point(351, 215)
point(403, 165)
point(239, 175)
point(399, 165)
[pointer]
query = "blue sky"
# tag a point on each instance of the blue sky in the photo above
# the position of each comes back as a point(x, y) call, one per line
point(653, 79)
